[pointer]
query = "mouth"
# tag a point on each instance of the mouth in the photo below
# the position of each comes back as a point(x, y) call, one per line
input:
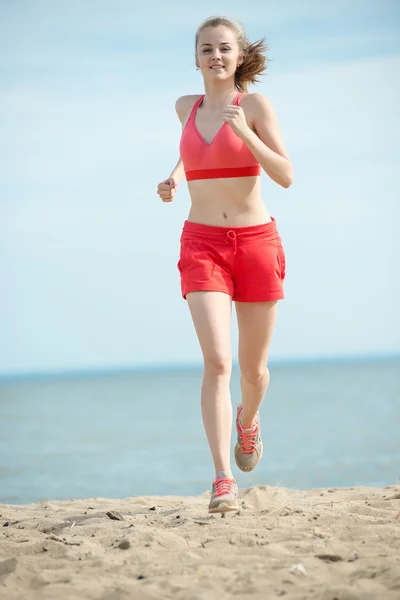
point(217, 67)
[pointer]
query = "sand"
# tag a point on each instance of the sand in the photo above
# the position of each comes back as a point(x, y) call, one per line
point(326, 544)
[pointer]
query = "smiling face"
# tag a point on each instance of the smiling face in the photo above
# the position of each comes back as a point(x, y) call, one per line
point(217, 53)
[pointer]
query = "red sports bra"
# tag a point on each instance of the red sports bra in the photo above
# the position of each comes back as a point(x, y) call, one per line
point(226, 156)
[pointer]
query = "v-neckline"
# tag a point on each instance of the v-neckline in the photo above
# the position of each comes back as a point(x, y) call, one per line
point(218, 130)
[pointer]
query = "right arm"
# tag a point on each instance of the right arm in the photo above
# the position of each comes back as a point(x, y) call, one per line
point(178, 173)
point(181, 107)
point(167, 189)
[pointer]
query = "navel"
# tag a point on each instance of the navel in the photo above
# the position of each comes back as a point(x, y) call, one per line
point(225, 215)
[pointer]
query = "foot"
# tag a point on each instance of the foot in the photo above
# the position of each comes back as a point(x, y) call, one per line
point(249, 447)
point(224, 494)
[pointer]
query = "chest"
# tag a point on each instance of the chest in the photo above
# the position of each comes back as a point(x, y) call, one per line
point(208, 125)
point(211, 126)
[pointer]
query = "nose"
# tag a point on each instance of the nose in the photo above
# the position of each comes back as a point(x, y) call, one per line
point(216, 53)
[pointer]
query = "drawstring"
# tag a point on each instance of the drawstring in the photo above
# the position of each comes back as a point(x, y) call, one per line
point(232, 239)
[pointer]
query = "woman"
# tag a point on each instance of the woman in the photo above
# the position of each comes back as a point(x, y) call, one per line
point(230, 246)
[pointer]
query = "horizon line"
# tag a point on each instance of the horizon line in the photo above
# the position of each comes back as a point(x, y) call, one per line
point(115, 370)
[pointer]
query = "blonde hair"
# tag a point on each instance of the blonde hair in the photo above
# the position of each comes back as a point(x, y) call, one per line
point(254, 60)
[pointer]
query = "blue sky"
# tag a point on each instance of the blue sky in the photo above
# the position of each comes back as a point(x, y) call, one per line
point(88, 253)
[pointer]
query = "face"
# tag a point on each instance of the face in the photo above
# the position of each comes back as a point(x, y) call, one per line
point(217, 53)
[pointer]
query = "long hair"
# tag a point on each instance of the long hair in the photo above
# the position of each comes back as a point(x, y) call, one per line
point(253, 54)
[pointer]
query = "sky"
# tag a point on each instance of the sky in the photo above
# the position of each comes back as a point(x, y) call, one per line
point(88, 252)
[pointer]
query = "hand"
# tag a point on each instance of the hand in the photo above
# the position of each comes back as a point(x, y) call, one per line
point(235, 117)
point(167, 189)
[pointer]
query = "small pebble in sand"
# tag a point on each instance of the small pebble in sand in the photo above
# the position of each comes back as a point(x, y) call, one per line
point(114, 515)
point(298, 569)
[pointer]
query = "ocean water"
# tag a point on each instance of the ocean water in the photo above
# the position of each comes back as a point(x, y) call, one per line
point(141, 433)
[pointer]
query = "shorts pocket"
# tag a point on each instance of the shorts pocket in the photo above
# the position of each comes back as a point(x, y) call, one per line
point(281, 261)
point(183, 256)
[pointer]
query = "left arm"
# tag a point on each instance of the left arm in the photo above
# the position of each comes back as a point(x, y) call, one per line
point(266, 142)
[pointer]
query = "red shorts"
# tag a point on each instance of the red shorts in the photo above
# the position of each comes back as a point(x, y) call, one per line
point(248, 263)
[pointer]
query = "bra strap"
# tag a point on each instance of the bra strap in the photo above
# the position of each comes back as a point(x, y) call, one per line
point(195, 107)
point(238, 99)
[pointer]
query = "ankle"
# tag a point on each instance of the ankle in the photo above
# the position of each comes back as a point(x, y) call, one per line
point(224, 473)
point(248, 425)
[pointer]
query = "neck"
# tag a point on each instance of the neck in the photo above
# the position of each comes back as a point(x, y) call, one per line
point(216, 98)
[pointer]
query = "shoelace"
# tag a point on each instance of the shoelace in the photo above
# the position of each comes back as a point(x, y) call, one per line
point(247, 441)
point(224, 486)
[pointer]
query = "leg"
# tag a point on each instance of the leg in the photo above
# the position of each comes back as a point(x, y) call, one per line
point(211, 313)
point(256, 321)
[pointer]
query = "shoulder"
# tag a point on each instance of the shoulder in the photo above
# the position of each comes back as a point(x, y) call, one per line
point(258, 105)
point(184, 105)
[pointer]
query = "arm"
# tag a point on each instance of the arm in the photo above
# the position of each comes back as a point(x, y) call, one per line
point(183, 106)
point(266, 142)
point(167, 188)
point(178, 172)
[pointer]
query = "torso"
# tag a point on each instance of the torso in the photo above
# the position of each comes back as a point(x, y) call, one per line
point(228, 202)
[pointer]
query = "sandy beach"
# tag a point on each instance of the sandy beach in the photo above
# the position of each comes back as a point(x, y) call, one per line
point(325, 543)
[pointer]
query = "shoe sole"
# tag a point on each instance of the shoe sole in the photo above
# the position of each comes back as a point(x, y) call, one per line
point(222, 508)
point(247, 469)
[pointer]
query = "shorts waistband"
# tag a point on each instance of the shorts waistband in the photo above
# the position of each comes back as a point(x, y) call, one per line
point(248, 233)
point(236, 236)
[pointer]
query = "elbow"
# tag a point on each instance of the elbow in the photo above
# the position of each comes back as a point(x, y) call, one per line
point(287, 181)
point(288, 177)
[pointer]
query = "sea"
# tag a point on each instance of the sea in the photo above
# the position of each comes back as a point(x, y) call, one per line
point(140, 432)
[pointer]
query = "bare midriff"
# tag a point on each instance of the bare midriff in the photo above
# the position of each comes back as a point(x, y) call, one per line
point(229, 202)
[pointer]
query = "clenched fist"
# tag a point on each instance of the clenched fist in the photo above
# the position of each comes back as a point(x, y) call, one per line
point(166, 190)
point(235, 117)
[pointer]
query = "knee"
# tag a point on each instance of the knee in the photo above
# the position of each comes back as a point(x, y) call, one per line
point(217, 366)
point(256, 374)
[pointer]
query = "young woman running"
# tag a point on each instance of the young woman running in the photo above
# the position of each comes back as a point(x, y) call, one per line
point(230, 245)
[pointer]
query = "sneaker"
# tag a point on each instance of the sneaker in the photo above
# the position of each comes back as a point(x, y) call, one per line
point(249, 447)
point(224, 494)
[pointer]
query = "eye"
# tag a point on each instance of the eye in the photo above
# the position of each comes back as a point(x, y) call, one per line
point(206, 50)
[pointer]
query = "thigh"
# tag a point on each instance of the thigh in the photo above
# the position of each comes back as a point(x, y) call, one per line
point(256, 322)
point(211, 313)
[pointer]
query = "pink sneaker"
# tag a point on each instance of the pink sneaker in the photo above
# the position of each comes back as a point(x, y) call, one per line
point(224, 494)
point(249, 447)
